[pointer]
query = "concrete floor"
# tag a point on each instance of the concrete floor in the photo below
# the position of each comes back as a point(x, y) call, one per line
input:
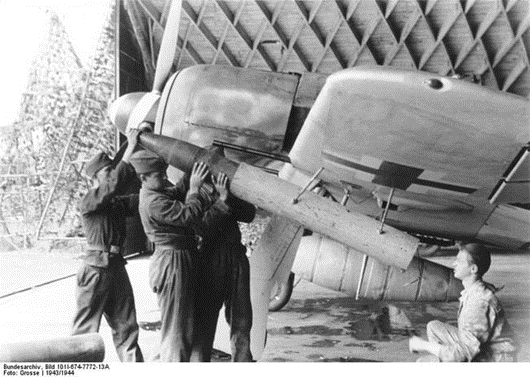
point(322, 325)
point(317, 324)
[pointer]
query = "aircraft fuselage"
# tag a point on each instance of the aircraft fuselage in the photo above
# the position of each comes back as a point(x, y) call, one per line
point(442, 144)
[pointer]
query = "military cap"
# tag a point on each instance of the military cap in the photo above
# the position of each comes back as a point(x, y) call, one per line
point(98, 162)
point(145, 161)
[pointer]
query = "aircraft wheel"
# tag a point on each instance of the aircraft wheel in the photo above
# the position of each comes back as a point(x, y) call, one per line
point(281, 293)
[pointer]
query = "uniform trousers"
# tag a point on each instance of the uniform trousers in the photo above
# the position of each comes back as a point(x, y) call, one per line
point(172, 276)
point(107, 291)
point(442, 333)
point(224, 278)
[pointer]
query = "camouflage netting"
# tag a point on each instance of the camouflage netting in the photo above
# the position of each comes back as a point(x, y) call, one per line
point(252, 232)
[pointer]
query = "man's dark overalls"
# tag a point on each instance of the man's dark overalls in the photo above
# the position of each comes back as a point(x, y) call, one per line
point(224, 278)
point(167, 215)
point(103, 286)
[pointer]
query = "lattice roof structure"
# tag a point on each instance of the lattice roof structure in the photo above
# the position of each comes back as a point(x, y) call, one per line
point(486, 40)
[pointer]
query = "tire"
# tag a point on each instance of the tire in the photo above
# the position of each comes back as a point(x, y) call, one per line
point(282, 295)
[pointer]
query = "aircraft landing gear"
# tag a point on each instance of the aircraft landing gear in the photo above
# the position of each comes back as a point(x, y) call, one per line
point(281, 293)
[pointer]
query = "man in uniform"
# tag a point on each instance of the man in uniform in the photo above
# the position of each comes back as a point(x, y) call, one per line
point(224, 275)
point(483, 334)
point(103, 286)
point(167, 213)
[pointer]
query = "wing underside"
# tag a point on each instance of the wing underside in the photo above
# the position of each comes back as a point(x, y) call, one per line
point(394, 129)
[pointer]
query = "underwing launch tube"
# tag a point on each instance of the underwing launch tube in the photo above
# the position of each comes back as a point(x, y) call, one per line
point(332, 265)
point(273, 194)
point(76, 348)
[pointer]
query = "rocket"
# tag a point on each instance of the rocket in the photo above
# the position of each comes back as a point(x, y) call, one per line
point(391, 247)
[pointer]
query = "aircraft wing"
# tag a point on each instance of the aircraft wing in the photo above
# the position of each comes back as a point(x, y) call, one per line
point(416, 132)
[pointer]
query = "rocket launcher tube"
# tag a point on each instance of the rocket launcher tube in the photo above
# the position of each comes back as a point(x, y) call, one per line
point(275, 195)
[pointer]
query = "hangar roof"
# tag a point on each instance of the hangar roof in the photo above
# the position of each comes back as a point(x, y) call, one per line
point(483, 40)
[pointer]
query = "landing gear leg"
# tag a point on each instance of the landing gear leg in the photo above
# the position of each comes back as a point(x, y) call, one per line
point(281, 293)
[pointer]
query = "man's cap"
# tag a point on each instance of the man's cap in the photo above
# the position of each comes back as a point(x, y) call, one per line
point(98, 162)
point(144, 161)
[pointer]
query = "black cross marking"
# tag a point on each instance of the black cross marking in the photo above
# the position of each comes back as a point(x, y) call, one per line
point(395, 175)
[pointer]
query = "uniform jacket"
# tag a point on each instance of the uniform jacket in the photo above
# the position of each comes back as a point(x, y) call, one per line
point(483, 331)
point(219, 226)
point(103, 210)
point(169, 212)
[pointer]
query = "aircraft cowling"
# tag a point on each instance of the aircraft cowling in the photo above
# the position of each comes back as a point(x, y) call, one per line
point(248, 108)
point(332, 265)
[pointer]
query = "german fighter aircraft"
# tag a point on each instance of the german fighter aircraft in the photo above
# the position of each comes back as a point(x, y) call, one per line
point(373, 162)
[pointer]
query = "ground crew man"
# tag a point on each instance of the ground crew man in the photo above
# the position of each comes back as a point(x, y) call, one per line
point(483, 334)
point(167, 212)
point(224, 276)
point(103, 286)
